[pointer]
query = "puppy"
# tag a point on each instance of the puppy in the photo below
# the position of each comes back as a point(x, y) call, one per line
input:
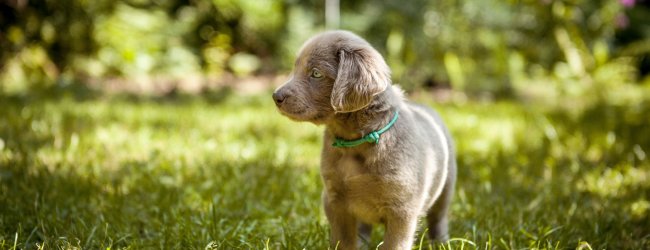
point(384, 160)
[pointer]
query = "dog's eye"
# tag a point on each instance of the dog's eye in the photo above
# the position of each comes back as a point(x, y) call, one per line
point(316, 74)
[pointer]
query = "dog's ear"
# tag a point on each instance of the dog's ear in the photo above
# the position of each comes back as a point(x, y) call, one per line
point(362, 74)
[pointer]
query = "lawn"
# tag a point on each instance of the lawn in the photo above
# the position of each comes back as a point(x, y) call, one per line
point(225, 171)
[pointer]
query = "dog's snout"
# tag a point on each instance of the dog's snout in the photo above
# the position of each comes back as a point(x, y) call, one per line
point(278, 97)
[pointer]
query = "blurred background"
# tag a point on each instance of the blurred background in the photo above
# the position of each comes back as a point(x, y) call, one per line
point(149, 124)
point(481, 47)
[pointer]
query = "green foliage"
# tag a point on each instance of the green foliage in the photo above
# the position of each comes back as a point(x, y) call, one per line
point(88, 171)
point(476, 46)
point(157, 47)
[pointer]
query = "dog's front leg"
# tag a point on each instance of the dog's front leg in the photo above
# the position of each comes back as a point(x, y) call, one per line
point(343, 233)
point(400, 232)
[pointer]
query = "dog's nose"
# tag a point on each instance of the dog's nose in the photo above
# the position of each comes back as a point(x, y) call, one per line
point(278, 97)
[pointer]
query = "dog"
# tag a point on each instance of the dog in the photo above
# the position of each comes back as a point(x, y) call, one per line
point(384, 160)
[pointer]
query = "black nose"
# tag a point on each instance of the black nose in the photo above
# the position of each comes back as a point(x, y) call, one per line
point(278, 97)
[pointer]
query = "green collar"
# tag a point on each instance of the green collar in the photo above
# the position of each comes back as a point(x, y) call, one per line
point(372, 137)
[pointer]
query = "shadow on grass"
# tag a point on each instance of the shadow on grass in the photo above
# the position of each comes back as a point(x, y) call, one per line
point(145, 204)
point(43, 204)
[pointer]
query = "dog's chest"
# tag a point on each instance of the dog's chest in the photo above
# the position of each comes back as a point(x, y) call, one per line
point(341, 173)
point(350, 181)
point(351, 165)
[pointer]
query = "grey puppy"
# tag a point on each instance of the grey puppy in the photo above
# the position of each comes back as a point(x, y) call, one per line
point(385, 160)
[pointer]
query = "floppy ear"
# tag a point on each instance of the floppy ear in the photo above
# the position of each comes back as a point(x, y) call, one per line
point(362, 74)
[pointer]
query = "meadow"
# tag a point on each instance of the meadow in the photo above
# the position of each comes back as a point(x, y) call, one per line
point(224, 170)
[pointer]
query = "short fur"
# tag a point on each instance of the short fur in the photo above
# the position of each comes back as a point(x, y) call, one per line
point(411, 171)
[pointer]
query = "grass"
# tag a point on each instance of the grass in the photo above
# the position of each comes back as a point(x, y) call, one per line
point(228, 172)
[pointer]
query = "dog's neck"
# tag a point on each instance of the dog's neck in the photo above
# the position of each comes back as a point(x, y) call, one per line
point(354, 125)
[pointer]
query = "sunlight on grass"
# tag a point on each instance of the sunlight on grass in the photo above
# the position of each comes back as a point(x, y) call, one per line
point(118, 172)
point(614, 182)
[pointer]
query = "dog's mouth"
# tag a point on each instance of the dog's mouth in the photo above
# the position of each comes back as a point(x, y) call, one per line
point(303, 115)
point(298, 115)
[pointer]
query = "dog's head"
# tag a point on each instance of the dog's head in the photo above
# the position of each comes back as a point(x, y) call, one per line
point(335, 72)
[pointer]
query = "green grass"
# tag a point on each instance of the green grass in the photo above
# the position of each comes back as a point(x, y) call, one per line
point(229, 172)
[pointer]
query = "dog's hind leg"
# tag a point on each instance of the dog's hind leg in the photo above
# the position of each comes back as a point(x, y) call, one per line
point(437, 215)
